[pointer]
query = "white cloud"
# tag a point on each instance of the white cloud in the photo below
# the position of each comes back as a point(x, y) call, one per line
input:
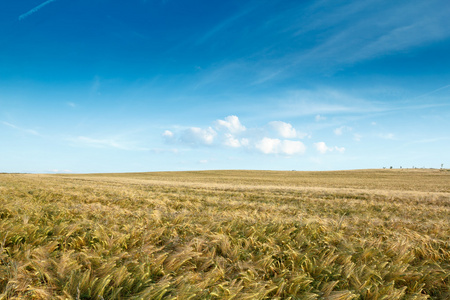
point(231, 141)
point(387, 136)
point(340, 130)
point(357, 137)
point(320, 118)
point(339, 149)
point(168, 134)
point(198, 136)
point(231, 133)
point(225, 133)
point(60, 171)
point(268, 145)
point(292, 147)
point(277, 146)
point(284, 129)
point(231, 123)
point(323, 148)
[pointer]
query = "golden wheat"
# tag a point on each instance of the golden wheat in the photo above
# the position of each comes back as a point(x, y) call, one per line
point(374, 234)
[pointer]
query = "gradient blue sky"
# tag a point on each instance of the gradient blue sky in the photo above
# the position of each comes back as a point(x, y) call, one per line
point(115, 86)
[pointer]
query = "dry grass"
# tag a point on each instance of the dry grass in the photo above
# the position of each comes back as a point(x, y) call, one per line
point(374, 234)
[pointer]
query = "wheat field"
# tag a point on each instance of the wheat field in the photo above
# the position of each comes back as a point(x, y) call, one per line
point(363, 234)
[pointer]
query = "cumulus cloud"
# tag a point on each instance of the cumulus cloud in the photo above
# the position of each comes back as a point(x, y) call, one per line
point(277, 146)
point(323, 148)
point(60, 171)
point(230, 132)
point(231, 141)
point(231, 123)
point(225, 133)
point(268, 145)
point(285, 130)
point(340, 130)
point(193, 136)
point(292, 147)
point(198, 136)
point(169, 137)
point(168, 134)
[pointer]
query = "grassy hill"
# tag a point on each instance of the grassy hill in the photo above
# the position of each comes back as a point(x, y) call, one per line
point(363, 234)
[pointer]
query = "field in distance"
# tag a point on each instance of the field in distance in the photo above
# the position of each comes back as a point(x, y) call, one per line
point(363, 234)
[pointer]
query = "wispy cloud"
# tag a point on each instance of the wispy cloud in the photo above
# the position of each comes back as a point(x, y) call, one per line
point(10, 125)
point(325, 101)
point(403, 26)
point(99, 143)
point(338, 102)
point(387, 136)
point(223, 25)
point(95, 85)
point(433, 91)
point(29, 131)
point(32, 11)
point(113, 142)
point(343, 35)
point(357, 137)
point(431, 140)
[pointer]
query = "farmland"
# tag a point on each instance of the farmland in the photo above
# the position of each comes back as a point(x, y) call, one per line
point(363, 234)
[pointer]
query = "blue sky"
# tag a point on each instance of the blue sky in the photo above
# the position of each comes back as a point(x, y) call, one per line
point(114, 86)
